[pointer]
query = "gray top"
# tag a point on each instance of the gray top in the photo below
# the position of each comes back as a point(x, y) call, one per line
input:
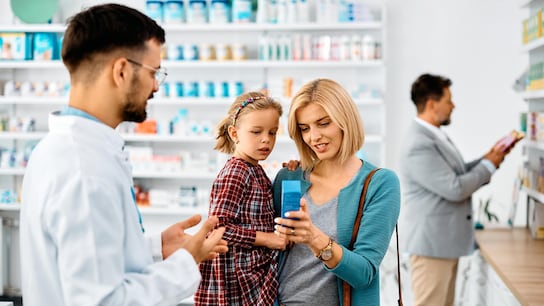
point(303, 279)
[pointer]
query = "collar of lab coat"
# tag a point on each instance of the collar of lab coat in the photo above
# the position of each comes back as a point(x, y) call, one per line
point(65, 124)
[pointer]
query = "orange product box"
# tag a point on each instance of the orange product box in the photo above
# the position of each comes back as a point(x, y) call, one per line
point(147, 127)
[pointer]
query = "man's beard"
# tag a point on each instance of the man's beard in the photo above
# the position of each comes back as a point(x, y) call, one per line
point(446, 122)
point(133, 111)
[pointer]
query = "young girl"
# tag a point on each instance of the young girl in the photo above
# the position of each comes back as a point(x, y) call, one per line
point(241, 198)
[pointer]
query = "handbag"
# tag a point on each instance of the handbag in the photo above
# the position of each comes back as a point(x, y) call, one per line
point(346, 288)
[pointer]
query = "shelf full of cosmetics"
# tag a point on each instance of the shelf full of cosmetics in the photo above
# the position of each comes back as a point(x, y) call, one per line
point(533, 39)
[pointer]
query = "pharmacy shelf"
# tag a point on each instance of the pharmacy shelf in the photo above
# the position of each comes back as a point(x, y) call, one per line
point(17, 100)
point(534, 144)
point(258, 64)
point(10, 207)
point(533, 45)
point(533, 95)
point(196, 174)
point(529, 3)
point(156, 138)
point(186, 174)
point(22, 135)
point(533, 194)
point(166, 138)
point(228, 27)
point(257, 27)
point(171, 210)
point(12, 171)
point(18, 64)
point(231, 64)
point(55, 28)
point(144, 210)
point(193, 101)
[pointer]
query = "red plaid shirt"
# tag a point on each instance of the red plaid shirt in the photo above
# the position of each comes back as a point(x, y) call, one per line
point(241, 197)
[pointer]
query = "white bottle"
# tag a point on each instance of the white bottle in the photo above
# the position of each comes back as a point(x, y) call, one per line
point(264, 49)
point(368, 48)
point(303, 11)
point(282, 11)
point(355, 53)
point(262, 11)
point(291, 11)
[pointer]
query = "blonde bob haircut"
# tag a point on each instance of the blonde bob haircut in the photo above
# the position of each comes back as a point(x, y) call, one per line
point(340, 107)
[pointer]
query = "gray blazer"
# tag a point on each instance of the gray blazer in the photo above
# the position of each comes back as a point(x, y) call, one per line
point(437, 186)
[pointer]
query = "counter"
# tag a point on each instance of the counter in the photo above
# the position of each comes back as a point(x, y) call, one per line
point(518, 259)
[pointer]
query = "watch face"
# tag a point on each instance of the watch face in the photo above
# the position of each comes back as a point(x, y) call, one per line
point(327, 254)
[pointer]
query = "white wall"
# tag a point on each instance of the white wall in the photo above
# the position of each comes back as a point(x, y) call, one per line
point(477, 45)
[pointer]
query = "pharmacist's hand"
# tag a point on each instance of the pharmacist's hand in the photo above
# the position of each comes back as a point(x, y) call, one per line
point(207, 243)
point(174, 237)
point(291, 165)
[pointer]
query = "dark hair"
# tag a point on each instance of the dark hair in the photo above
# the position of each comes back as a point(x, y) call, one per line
point(106, 28)
point(428, 86)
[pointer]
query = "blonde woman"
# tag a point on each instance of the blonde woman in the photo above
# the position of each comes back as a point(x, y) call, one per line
point(326, 126)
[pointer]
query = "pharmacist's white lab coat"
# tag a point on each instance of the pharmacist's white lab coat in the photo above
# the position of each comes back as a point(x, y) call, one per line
point(81, 241)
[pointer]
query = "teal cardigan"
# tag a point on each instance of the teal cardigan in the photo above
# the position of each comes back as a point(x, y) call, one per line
point(360, 267)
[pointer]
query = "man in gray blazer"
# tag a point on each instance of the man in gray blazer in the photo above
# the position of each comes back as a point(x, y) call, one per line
point(437, 225)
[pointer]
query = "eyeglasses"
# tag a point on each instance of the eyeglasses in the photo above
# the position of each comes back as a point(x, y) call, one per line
point(160, 73)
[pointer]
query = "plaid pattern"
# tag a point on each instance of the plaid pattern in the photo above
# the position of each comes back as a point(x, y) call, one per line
point(241, 197)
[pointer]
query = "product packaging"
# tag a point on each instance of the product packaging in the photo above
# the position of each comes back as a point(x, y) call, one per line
point(290, 196)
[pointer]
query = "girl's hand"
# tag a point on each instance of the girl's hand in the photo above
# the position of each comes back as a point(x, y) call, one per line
point(271, 241)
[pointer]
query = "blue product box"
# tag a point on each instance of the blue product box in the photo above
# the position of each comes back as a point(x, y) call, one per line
point(154, 9)
point(45, 46)
point(15, 46)
point(197, 12)
point(290, 196)
point(173, 12)
point(219, 11)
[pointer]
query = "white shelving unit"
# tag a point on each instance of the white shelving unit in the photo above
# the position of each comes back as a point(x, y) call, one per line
point(252, 72)
point(534, 150)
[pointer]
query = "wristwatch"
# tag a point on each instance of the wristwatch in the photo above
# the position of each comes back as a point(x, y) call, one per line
point(326, 253)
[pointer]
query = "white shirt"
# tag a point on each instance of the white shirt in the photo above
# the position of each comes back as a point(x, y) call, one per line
point(444, 138)
point(81, 241)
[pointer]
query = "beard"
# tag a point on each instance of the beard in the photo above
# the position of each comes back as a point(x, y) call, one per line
point(445, 122)
point(134, 111)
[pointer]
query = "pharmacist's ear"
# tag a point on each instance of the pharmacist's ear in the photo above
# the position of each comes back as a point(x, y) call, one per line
point(233, 133)
point(120, 71)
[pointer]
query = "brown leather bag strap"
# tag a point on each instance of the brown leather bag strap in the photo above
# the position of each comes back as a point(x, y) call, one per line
point(346, 288)
point(398, 266)
point(361, 208)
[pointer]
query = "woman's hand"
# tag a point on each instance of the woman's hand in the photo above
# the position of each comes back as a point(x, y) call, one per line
point(304, 231)
point(297, 226)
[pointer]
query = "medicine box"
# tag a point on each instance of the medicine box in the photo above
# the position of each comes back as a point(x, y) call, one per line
point(15, 46)
point(45, 46)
